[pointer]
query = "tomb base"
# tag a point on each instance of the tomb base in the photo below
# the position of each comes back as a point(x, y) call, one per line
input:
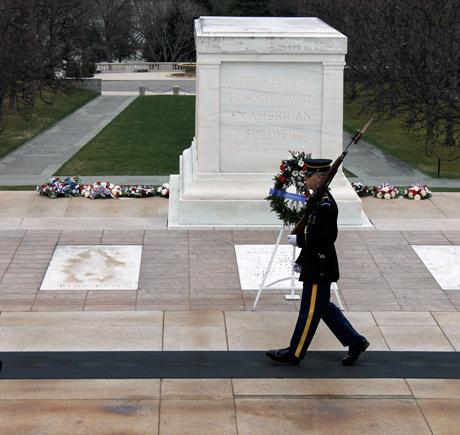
point(238, 200)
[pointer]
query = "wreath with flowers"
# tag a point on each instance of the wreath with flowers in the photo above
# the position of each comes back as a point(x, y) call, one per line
point(57, 187)
point(101, 190)
point(360, 189)
point(417, 191)
point(292, 172)
point(164, 189)
point(386, 191)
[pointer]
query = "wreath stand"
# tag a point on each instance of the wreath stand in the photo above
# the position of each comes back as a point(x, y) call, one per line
point(292, 278)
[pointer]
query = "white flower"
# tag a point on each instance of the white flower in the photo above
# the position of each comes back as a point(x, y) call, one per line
point(387, 196)
point(295, 173)
point(417, 197)
point(423, 192)
point(411, 194)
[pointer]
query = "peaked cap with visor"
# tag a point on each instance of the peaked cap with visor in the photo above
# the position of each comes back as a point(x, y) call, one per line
point(318, 165)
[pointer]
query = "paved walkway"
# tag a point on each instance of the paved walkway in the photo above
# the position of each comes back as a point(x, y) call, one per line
point(189, 297)
point(372, 166)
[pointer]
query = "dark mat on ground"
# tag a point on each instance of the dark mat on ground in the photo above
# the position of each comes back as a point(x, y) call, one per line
point(224, 364)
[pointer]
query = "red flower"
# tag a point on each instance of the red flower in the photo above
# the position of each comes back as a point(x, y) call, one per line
point(282, 167)
point(282, 179)
point(304, 168)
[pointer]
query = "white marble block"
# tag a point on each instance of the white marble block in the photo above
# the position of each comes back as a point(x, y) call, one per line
point(265, 86)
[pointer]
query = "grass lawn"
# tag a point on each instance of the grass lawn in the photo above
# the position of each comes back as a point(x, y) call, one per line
point(147, 138)
point(18, 131)
point(390, 137)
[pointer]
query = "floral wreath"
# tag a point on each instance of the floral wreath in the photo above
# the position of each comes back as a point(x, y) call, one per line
point(292, 172)
point(360, 189)
point(417, 191)
point(386, 191)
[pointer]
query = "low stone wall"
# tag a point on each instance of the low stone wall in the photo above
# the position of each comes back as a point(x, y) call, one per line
point(91, 84)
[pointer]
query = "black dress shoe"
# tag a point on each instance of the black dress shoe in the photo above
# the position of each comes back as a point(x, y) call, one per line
point(354, 351)
point(283, 356)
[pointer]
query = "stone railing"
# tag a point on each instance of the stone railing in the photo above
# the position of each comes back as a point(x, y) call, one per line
point(90, 83)
point(137, 66)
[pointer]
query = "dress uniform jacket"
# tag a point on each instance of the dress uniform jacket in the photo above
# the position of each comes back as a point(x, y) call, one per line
point(318, 257)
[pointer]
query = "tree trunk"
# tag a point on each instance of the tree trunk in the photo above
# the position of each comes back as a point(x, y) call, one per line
point(12, 103)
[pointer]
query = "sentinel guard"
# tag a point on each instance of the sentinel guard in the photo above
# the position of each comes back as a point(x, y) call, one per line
point(318, 267)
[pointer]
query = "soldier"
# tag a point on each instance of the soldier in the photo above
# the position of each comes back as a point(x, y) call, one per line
point(318, 267)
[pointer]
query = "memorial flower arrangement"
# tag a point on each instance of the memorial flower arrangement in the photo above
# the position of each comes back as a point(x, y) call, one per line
point(417, 192)
point(57, 187)
point(292, 172)
point(163, 190)
point(386, 191)
point(101, 190)
point(360, 189)
point(138, 191)
point(74, 187)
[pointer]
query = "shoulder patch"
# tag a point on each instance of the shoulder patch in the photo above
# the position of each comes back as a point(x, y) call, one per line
point(325, 203)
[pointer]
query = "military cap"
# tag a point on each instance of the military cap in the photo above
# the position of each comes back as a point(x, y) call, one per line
point(318, 165)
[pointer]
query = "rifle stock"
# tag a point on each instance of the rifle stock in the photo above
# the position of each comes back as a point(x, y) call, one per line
point(318, 194)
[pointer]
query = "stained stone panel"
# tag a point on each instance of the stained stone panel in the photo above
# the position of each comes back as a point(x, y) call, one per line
point(90, 267)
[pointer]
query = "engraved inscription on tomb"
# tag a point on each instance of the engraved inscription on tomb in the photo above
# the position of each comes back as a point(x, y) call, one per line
point(267, 110)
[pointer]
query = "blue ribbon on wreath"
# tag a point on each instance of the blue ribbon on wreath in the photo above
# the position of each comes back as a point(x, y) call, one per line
point(287, 195)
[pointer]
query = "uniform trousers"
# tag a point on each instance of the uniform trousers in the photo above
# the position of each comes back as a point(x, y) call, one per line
point(316, 305)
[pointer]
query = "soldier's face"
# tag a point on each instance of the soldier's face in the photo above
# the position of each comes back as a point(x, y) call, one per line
point(313, 180)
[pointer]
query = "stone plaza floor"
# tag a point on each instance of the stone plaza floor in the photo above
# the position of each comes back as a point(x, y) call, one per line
point(189, 298)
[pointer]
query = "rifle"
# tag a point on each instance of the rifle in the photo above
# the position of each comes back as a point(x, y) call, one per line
point(318, 193)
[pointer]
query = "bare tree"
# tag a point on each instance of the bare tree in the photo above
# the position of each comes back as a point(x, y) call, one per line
point(167, 28)
point(404, 57)
point(36, 40)
point(114, 22)
point(431, 72)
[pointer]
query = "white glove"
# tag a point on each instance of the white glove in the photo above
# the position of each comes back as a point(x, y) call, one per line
point(296, 267)
point(292, 239)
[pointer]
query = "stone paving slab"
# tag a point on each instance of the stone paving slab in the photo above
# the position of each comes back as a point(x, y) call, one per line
point(28, 210)
point(244, 405)
point(213, 330)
